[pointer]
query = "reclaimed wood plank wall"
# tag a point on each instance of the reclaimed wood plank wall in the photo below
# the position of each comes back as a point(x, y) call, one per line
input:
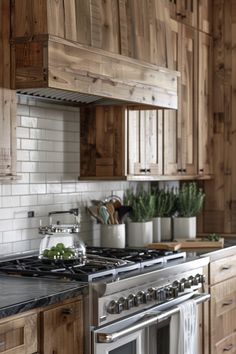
point(220, 206)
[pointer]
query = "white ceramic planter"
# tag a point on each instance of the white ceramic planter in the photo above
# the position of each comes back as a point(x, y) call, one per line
point(166, 229)
point(139, 233)
point(156, 223)
point(185, 228)
point(113, 236)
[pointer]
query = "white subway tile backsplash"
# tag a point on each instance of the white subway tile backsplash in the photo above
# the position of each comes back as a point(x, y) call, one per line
point(6, 248)
point(54, 188)
point(30, 122)
point(22, 132)
point(29, 144)
point(27, 200)
point(6, 213)
point(19, 189)
point(23, 155)
point(45, 199)
point(37, 188)
point(20, 246)
point(37, 177)
point(48, 146)
point(10, 202)
point(11, 236)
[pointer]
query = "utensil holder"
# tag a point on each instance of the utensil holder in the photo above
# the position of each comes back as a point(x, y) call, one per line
point(113, 236)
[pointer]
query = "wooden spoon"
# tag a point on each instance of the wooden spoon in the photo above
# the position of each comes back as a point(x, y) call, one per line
point(94, 211)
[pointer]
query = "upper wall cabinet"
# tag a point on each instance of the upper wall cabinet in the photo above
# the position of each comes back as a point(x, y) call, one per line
point(117, 49)
point(7, 100)
point(194, 13)
point(185, 11)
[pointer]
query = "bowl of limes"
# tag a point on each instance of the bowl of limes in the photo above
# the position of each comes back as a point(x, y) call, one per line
point(59, 252)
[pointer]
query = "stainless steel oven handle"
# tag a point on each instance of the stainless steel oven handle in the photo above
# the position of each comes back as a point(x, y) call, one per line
point(147, 320)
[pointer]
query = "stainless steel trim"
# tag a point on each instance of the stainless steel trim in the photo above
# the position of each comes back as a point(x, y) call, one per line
point(147, 320)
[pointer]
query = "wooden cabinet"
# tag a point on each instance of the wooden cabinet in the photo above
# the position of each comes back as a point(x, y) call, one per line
point(194, 13)
point(144, 142)
point(205, 112)
point(223, 306)
point(7, 100)
point(102, 142)
point(205, 14)
point(185, 11)
point(63, 329)
point(19, 334)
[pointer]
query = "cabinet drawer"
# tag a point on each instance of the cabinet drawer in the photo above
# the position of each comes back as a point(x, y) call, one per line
point(222, 269)
point(19, 336)
point(227, 345)
point(223, 310)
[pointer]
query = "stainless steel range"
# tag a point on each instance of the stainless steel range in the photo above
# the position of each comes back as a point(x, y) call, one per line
point(133, 294)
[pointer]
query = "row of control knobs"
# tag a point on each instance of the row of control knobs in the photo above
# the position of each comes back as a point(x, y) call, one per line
point(154, 294)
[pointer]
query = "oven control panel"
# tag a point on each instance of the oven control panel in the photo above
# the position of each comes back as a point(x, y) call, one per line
point(154, 294)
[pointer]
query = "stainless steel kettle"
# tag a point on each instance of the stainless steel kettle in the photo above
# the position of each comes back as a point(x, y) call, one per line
point(66, 234)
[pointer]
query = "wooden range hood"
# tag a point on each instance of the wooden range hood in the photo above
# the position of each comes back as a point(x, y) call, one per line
point(48, 61)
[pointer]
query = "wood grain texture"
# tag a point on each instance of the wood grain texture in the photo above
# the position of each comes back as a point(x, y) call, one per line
point(221, 192)
point(102, 142)
point(205, 14)
point(185, 11)
point(63, 329)
point(205, 115)
point(7, 98)
point(19, 335)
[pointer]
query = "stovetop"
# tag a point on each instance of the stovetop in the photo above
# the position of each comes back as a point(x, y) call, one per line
point(99, 263)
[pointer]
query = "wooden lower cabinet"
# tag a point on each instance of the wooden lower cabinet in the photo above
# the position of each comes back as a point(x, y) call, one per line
point(62, 329)
point(223, 306)
point(57, 329)
point(19, 334)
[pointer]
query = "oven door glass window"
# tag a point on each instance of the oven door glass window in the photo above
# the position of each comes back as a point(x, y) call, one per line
point(130, 344)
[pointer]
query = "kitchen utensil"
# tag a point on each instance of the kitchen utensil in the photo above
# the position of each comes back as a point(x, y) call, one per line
point(104, 214)
point(111, 211)
point(94, 211)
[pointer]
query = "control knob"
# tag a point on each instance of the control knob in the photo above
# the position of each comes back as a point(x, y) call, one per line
point(153, 293)
point(120, 304)
point(129, 301)
point(112, 307)
point(139, 298)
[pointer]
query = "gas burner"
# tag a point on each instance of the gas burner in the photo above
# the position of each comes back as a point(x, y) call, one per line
point(99, 263)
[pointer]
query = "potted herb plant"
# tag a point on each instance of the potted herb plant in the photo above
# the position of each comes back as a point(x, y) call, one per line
point(165, 202)
point(139, 227)
point(189, 203)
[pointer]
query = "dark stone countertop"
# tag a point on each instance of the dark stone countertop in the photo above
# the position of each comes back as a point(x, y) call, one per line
point(19, 294)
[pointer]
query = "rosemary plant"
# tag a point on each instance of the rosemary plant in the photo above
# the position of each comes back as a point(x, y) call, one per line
point(189, 200)
point(165, 202)
point(143, 205)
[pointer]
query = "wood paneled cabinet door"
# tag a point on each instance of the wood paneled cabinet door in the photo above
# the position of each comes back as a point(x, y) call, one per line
point(144, 142)
point(7, 133)
point(102, 142)
point(187, 108)
point(185, 11)
point(205, 114)
point(205, 11)
point(18, 335)
point(62, 329)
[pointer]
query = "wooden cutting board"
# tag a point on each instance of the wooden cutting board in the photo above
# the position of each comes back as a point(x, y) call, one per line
point(187, 244)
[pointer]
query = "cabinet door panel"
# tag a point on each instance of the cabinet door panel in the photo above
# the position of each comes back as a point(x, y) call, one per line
point(223, 310)
point(171, 141)
point(185, 11)
point(19, 336)
point(205, 117)
point(63, 329)
point(205, 15)
point(144, 142)
point(188, 103)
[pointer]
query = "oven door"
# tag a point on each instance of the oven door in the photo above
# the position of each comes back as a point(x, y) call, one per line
point(148, 332)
